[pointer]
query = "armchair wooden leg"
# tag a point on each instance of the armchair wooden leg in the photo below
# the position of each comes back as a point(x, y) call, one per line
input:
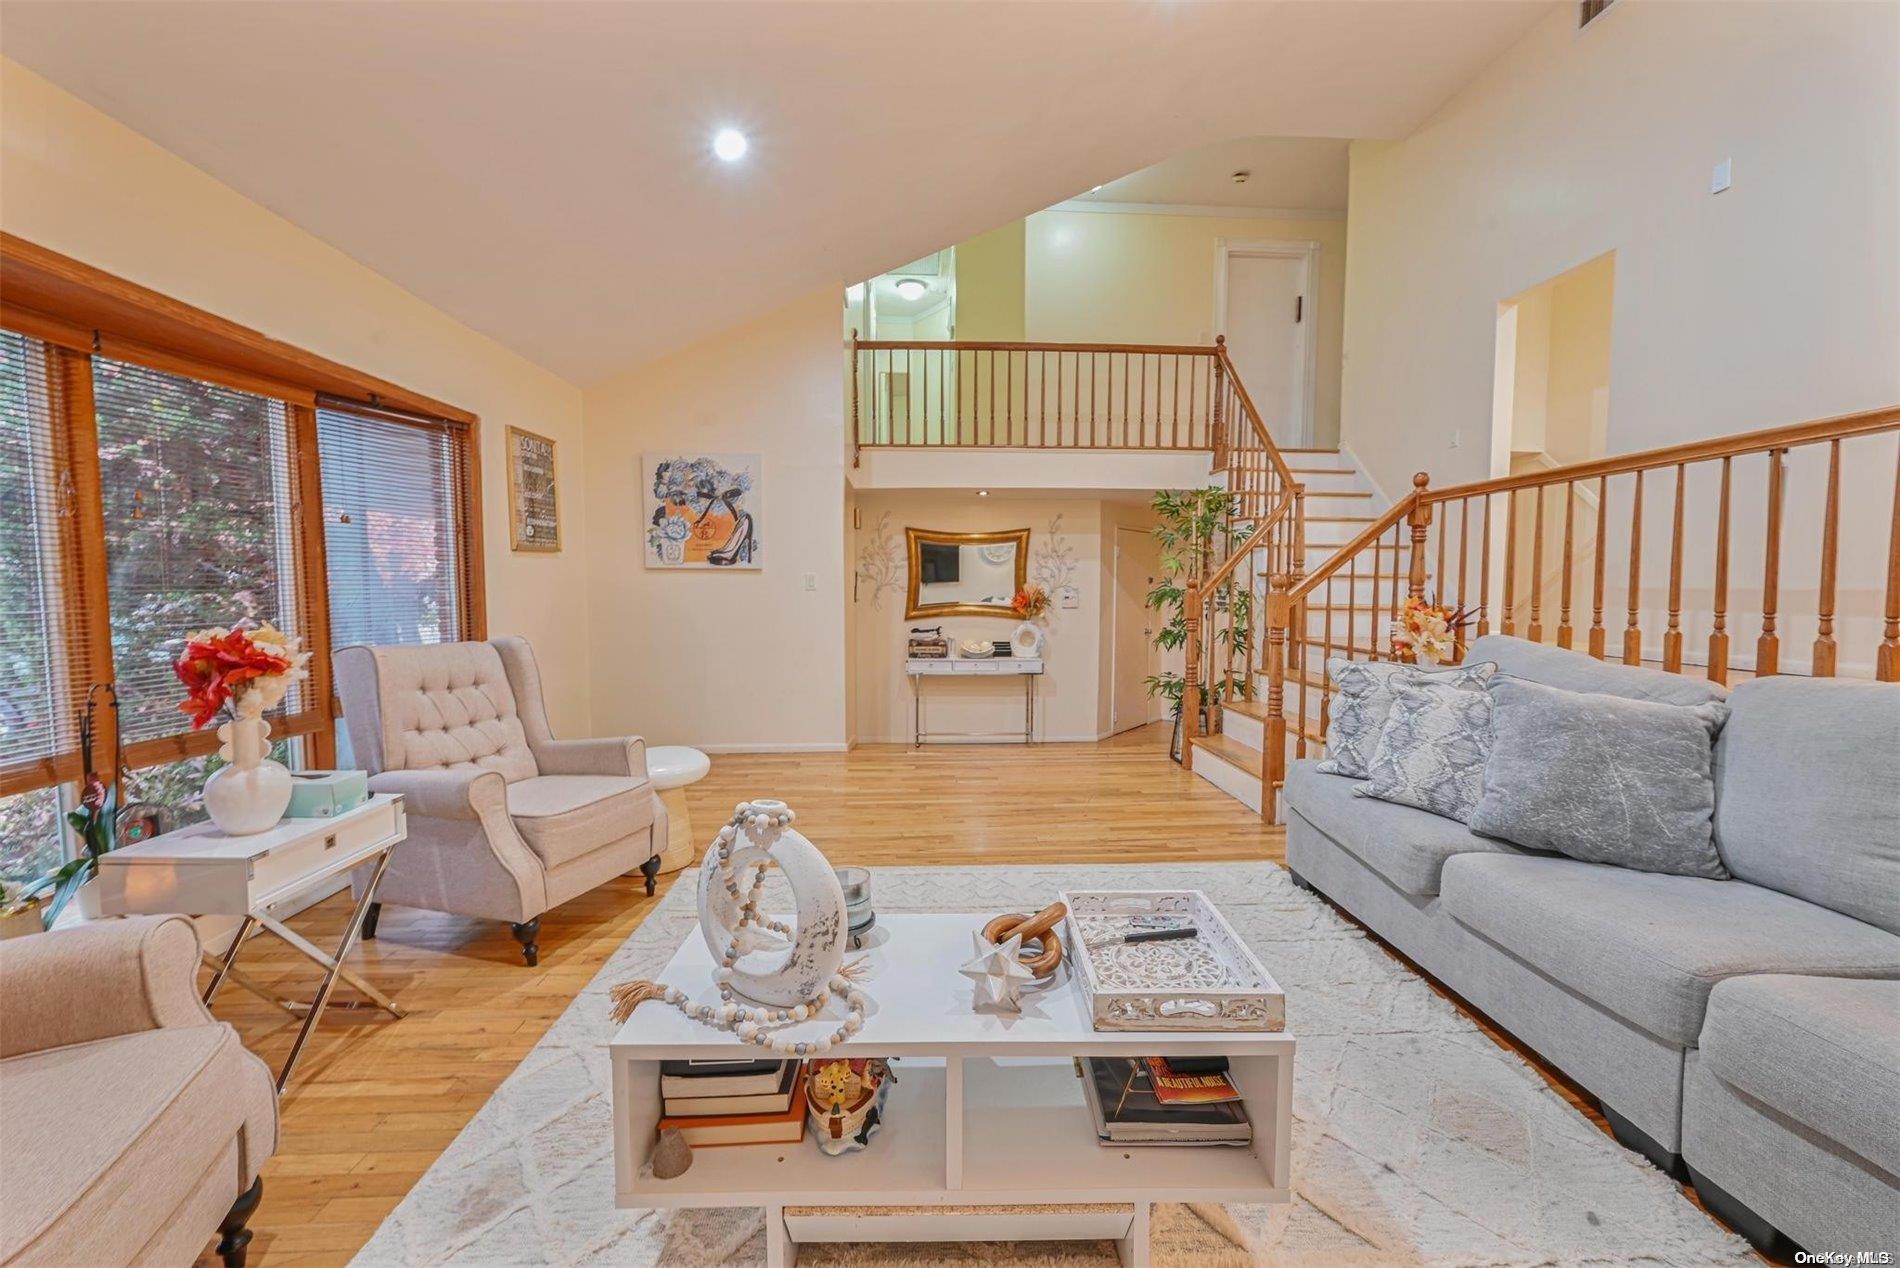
point(525, 934)
point(651, 870)
point(370, 918)
point(233, 1236)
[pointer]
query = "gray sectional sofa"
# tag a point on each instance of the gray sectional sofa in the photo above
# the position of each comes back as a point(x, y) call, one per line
point(1744, 1031)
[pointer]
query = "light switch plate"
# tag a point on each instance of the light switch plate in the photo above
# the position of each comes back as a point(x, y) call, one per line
point(1722, 176)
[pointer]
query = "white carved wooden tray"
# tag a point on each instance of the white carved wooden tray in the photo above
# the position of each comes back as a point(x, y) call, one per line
point(1208, 982)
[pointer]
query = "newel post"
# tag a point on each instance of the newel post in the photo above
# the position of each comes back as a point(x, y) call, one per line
point(1420, 518)
point(1273, 754)
point(857, 420)
point(1191, 674)
point(1217, 388)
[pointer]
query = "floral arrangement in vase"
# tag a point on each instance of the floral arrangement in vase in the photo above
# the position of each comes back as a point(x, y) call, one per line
point(241, 674)
point(1427, 632)
point(1030, 602)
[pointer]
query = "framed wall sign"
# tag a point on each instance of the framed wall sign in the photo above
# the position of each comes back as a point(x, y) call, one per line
point(534, 510)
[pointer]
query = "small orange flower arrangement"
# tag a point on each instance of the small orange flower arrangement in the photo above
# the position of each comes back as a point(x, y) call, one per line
point(243, 670)
point(1427, 631)
point(1030, 602)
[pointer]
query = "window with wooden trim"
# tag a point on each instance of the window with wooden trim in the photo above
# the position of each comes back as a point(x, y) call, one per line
point(394, 528)
point(161, 470)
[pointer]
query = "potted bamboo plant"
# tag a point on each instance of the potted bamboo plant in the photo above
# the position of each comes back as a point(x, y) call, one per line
point(1190, 522)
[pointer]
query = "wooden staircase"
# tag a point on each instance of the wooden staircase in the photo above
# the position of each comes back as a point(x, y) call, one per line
point(1717, 558)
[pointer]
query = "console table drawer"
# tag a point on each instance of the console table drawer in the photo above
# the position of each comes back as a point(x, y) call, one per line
point(322, 852)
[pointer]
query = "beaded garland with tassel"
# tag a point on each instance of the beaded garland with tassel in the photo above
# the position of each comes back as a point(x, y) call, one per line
point(797, 987)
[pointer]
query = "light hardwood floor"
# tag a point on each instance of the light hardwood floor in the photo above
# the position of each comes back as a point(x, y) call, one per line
point(376, 1100)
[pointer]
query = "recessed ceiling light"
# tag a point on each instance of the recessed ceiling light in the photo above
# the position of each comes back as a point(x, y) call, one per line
point(911, 288)
point(729, 144)
point(1095, 189)
point(982, 493)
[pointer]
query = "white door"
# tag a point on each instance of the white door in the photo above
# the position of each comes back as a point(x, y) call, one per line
point(1137, 568)
point(1264, 324)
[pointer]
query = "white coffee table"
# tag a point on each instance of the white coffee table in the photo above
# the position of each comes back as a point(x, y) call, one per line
point(986, 1134)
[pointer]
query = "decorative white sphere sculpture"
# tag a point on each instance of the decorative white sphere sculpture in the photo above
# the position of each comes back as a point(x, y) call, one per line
point(792, 967)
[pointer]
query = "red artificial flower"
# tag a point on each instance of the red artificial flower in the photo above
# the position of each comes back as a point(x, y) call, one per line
point(215, 665)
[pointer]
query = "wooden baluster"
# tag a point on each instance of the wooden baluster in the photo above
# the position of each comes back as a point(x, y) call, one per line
point(1352, 603)
point(1440, 586)
point(1392, 613)
point(1174, 420)
point(1141, 415)
point(1378, 589)
point(1825, 652)
point(1565, 634)
point(890, 395)
point(1091, 400)
point(1633, 633)
point(1419, 518)
point(922, 385)
point(1191, 673)
point(1217, 395)
point(1768, 646)
point(946, 358)
point(1536, 631)
point(1596, 613)
point(1484, 571)
point(1718, 628)
point(1464, 551)
point(1672, 634)
point(1510, 563)
point(1887, 662)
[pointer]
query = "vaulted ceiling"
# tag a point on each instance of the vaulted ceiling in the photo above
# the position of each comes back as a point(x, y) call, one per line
point(541, 170)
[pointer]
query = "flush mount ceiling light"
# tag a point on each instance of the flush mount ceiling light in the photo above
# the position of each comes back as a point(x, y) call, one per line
point(982, 493)
point(910, 288)
point(729, 144)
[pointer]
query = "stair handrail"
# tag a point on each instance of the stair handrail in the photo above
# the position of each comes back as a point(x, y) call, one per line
point(1287, 595)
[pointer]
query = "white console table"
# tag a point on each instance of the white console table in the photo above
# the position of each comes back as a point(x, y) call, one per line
point(986, 1133)
point(1028, 668)
point(202, 872)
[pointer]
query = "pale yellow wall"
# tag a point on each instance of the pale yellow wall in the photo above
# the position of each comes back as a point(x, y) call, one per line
point(990, 285)
point(1771, 303)
point(80, 183)
point(1141, 278)
point(726, 660)
point(1065, 547)
point(1582, 311)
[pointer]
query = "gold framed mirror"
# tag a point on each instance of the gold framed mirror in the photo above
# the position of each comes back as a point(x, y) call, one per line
point(965, 574)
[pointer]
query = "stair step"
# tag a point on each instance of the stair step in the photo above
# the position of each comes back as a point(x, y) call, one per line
point(1228, 749)
point(1257, 709)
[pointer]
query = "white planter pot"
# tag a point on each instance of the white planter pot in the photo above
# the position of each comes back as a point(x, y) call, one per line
point(250, 794)
point(86, 900)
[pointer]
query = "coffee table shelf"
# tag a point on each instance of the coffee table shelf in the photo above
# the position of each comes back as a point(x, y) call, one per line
point(986, 1126)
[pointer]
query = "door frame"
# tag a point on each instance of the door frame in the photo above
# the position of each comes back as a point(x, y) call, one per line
point(1114, 639)
point(1306, 251)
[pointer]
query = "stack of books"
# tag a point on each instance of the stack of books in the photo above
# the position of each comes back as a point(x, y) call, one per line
point(734, 1102)
point(1148, 1101)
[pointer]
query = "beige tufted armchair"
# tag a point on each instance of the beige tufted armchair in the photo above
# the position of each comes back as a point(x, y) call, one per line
point(505, 821)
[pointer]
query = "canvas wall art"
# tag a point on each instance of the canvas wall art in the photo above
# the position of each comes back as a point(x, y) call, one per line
point(534, 511)
point(702, 510)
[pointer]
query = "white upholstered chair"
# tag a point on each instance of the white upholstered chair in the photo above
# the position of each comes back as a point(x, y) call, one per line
point(505, 821)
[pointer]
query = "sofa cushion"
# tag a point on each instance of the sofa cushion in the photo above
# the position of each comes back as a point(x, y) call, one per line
point(1807, 792)
point(1408, 847)
point(1364, 692)
point(1574, 671)
point(1824, 1051)
point(1649, 947)
point(1432, 751)
point(1601, 778)
point(102, 1141)
point(562, 817)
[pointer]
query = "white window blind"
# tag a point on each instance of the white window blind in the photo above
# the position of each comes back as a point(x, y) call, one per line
point(195, 480)
point(394, 528)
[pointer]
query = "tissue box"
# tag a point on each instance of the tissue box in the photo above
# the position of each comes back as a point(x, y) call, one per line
point(324, 794)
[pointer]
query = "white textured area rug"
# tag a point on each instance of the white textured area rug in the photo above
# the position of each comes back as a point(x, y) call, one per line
point(1416, 1139)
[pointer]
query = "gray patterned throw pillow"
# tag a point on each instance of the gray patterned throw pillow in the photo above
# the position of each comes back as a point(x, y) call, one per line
point(1432, 752)
point(1603, 779)
point(1363, 693)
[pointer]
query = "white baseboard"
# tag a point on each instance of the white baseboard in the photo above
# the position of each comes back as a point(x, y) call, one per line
point(1096, 738)
point(839, 747)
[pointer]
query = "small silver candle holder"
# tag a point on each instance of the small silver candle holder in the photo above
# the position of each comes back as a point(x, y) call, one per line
point(856, 883)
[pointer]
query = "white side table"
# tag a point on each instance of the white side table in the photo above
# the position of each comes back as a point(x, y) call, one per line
point(202, 872)
point(672, 767)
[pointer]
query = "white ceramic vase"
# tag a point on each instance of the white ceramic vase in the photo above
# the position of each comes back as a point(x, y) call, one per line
point(251, 792)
